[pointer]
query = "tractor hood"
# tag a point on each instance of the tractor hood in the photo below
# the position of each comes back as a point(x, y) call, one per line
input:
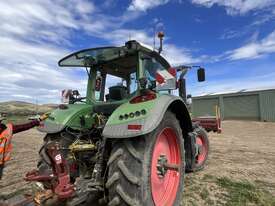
point(76, 116)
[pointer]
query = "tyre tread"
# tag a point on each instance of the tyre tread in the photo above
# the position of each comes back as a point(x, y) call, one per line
point(132, 151)
point(114, 156)
point(126, 198)
point(115, 177)
point(127, 174)
point(114, 202)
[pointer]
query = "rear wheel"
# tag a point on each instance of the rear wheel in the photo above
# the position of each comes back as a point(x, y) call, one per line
point(138, 169)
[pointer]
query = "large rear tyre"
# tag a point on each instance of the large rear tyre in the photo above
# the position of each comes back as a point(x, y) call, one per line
point(137, 175)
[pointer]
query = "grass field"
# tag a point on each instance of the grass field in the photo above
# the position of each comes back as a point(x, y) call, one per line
point(16, 119)
point(240, 170)
point(17, 108)
point(226, 191)
point(19, 112)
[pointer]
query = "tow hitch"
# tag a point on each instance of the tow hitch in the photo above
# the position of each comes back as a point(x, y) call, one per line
point(62, 188)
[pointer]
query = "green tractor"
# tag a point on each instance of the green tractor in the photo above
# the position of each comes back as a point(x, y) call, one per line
point(129, 141)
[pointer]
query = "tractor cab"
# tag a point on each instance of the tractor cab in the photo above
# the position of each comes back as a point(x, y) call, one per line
point(117, 74)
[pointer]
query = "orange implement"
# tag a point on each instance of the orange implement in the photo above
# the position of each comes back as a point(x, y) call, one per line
point(5, 144)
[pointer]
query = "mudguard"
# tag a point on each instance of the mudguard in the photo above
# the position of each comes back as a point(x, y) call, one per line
point(76, 116)
point(125, 121)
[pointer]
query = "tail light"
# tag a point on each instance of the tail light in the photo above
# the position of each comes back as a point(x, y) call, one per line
point(134, 127)
point(149, 95)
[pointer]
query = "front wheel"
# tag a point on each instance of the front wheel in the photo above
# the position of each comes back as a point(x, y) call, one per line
point(202, 143)
point(148, 170)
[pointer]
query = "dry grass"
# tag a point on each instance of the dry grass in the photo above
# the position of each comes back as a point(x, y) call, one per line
point(240, 170)
point(23, 108)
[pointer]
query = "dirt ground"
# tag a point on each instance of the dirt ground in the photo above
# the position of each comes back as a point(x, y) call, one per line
point(245, 153)
point(242, 156)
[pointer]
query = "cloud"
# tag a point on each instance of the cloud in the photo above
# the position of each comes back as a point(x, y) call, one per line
point(175, 55)
point(265, 81)
point(264, 18)
point(40, 21)
point(255, 49)
point(179, 56)
point(31, 70)
point(231, 34)
point(234, 7)
point(21, 96)
point(36, 34)
point(119, 36)
point(144, 5)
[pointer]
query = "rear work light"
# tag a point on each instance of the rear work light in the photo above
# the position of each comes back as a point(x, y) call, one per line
point(144, 97)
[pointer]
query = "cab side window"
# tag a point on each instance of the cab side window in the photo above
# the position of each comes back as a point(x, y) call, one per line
point(111, 81)
point(133, 82)
point(151, 67)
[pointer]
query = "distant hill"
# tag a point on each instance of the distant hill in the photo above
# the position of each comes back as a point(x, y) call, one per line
point(24, 108)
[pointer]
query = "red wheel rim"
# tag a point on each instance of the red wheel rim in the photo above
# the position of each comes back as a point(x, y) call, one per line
point(203, 150)
point(164, 190)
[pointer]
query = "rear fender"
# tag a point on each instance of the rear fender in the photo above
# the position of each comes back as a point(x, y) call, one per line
point(118, 127)
point(76, 116)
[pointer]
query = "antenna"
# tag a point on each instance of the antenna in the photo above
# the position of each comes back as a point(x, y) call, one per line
point(160, 36)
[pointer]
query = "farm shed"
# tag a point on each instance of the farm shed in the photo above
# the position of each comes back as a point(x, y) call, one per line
point(251, 105)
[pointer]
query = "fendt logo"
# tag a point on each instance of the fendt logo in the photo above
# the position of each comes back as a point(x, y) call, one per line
point(58, 159)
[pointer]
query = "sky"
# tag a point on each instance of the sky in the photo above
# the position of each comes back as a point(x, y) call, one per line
point(233, 39)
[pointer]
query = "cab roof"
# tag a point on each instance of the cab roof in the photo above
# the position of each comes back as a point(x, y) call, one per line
point(101, 55)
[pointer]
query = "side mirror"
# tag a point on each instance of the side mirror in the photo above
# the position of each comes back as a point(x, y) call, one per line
point(201, 74)
point(75, 93)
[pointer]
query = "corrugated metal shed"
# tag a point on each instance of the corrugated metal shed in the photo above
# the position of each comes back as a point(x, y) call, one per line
point(267, 105)
point(252, 105)
point(204, 107)
point(241, 107)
